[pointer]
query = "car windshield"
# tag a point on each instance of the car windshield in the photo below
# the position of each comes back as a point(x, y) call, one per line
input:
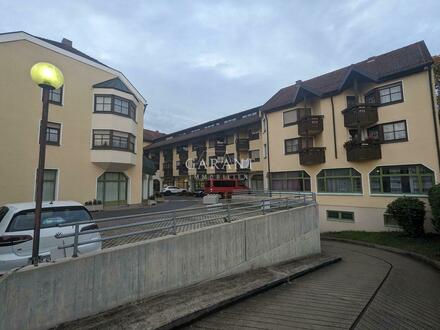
point(50, 217)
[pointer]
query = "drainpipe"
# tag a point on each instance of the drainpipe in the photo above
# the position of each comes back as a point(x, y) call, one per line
point(334, 127)
point(434, 117)
point(268, 152)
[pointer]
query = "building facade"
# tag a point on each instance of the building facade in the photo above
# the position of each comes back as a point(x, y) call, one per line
point(95, 129)
point(214, 149)
point(358, 137)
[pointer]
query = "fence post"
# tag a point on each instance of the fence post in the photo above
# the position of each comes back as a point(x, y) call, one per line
point(75, 241)
point(287, 202)
point(174, 223)
point(228, 218)
point(305, 198)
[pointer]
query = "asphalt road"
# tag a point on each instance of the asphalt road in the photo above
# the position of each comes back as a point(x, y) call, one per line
point(368, 289)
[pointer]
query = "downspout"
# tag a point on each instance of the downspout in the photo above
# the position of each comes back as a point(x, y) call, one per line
point(268, 152)
point(334, 127)
point(434, 117)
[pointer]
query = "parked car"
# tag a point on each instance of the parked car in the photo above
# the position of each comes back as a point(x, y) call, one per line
point(17, 229)
point(224, 187)
point(173, 190)
point(199, 193)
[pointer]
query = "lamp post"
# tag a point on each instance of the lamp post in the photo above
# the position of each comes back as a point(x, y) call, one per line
point(48, 77)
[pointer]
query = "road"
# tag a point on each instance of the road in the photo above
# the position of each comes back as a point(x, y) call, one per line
point(368, 289)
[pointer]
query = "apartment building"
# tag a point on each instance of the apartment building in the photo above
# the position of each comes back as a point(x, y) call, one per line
point(359, 137)
point(185, 158)
point(95, 131)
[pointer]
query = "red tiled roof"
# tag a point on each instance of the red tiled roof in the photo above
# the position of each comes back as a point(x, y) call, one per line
point(150, 136)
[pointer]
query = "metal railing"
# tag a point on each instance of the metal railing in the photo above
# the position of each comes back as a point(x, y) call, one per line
point(180, 220)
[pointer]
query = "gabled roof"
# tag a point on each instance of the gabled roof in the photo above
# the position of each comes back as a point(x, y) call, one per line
point(397, 63)
point(71, 52)
point(244, 118)
point(150, 136)
point(355, 72)
point(114, 83)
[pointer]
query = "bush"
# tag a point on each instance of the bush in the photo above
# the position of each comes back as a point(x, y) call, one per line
point(434, 201)
point(409, 212)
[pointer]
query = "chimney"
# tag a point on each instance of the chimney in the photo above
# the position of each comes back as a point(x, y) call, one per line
point(298, 82)
point(67, 42)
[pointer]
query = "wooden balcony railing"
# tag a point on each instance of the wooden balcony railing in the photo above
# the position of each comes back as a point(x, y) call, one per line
point(220, 149)
point(310, 125)
point(312, 156)
point(360, 115)
point(362, 151)
point(242, 144)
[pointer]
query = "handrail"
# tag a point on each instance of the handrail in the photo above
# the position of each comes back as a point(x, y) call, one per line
point(224, 211)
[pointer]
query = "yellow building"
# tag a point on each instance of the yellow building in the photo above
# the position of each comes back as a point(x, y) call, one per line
point(359, 137)
point(226, 141)
point(95, 131)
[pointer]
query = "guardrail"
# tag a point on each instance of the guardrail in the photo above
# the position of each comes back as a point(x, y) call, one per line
point(169, 222)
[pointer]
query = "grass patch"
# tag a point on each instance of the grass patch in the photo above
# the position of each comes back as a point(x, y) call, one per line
point(428, 245)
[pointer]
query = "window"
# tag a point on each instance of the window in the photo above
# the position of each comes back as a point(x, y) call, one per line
point(343, 216)
point(385, 95)
point(254, 133)
point(401, 179)
point(110, 139)
point(290, 181)
point(49, 185)
point(264, 124)
point(389, 221)
point(389, 132)
point(53, 134)
point(293, 146)
point(265, 151)
point(230, 139)
point(112, 188)
point(50, 217)
point(56, 96)
point(351, 101)
point(291, 117)
point(341, 180)
point(3, 211)
point(254, 155)
point(116, 105)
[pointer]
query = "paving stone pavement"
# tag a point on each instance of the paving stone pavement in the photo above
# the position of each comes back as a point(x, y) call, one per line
point(368, 289)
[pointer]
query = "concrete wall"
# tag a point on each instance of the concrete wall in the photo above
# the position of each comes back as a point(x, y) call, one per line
point(90, 284)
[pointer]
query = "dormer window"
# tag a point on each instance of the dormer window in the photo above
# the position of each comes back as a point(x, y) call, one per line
point(56, 96)
point(116, 105)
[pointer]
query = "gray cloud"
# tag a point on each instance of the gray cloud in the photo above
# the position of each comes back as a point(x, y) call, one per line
point(198, 60)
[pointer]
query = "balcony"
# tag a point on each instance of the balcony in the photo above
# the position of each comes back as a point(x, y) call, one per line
point(361, 115)
point(114, 160)
point(310, 125)
point(242, 144)
point(362, 151)
point(220, 149)
point(312, 156)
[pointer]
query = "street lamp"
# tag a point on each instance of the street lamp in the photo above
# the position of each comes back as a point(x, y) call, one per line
point(48, 77)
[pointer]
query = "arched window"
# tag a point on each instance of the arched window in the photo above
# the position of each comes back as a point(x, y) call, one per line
point(339, 180)
point(112, 188)
point(401, 179)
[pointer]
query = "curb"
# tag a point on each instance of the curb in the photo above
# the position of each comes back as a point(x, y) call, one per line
point(417, 256)
point(184, 320)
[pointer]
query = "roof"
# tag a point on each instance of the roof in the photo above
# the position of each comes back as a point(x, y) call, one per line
point(114, 83)
point(150, 136)
point(71, 52)
point(242, 118)
point(399, 62)
point(31, 205)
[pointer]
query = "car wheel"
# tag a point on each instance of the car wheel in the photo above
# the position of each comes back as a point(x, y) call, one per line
point(167, 193)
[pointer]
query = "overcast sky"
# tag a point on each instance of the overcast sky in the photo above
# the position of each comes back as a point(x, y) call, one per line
point(195, 61)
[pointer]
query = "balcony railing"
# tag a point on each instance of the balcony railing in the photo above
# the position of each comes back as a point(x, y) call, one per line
point(362, 151)
point(220, 149)
point(310, 125)
point(242, 144)
point(312, 156)
point(361, 115)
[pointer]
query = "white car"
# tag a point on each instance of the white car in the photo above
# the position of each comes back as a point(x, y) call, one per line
point(17, 229)
point(169, 190)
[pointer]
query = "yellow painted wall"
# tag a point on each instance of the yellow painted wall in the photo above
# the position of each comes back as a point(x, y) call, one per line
point(20, 113)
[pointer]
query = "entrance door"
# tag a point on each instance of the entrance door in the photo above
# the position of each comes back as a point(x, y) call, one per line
point(257, 182)
point(112, 188)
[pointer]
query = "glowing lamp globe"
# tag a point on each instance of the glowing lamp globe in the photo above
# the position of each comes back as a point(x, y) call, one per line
point(47, 75)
